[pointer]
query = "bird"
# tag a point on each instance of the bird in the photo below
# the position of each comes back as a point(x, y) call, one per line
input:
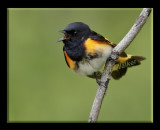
point(86, 52)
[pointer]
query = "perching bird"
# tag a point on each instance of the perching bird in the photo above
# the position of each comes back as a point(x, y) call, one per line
point(86, 52)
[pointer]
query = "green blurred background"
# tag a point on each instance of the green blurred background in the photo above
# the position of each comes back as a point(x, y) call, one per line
point(41, 87)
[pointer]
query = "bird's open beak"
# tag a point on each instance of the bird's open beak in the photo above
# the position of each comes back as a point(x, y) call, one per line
point(61, 39)
point(66, 36)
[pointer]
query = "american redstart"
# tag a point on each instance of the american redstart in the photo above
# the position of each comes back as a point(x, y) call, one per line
point(86, 52)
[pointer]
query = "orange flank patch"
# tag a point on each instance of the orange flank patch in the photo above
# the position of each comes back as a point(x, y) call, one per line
point(70, 62)
point(92, 46)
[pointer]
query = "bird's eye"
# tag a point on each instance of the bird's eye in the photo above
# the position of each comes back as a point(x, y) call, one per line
point(75, 33)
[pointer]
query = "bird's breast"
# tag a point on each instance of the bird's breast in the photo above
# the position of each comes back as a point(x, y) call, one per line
point(96, 54)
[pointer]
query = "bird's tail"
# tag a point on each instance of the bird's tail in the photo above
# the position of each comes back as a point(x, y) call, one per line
point(125, 61)
point(120, 68)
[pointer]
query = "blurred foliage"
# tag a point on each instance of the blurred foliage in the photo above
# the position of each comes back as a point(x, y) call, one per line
point(41, 87)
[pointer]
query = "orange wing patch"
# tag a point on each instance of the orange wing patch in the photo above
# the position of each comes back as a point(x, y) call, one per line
point(69, 61)
point(111, 43)
point(92, 45)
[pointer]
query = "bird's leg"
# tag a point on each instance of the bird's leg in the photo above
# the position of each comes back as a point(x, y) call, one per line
point(98, 82)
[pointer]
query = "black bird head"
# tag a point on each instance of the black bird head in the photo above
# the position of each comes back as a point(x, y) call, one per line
point(75, 33)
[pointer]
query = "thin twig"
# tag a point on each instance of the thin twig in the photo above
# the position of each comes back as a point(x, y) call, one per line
point(123, 44)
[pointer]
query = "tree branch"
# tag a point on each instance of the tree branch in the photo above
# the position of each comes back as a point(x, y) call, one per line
point(123, 44)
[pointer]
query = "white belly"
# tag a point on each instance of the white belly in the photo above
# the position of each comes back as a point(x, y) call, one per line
point(88, 67)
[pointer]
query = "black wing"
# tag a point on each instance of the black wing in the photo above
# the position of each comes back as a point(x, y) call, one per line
point(98, 37)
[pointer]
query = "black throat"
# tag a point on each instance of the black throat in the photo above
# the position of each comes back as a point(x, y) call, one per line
point(75, 50)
